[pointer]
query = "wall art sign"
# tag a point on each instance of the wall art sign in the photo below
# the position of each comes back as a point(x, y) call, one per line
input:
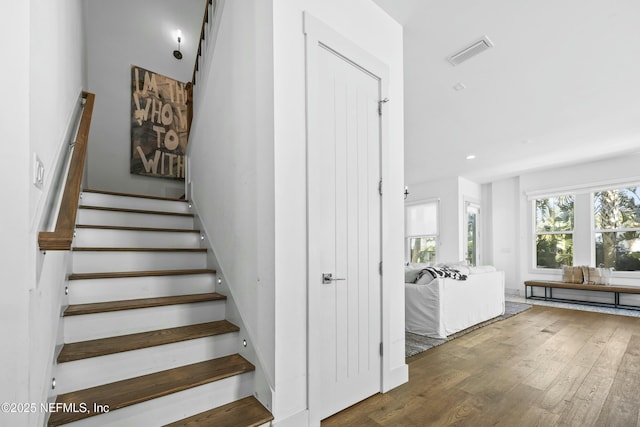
point(159, 125)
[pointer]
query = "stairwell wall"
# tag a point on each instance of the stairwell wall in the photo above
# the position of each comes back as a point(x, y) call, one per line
point(57, 77)
point(247, 176)
point(230, 169)
point(42, 85)
point(14, 304)
point(121, 33)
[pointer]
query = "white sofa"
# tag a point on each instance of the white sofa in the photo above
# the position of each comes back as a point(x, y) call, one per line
point(445, 306)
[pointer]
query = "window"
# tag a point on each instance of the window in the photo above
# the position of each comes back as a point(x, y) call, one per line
point(554, 231)
point(422, 231)
point(472, 253)
point(617, 228)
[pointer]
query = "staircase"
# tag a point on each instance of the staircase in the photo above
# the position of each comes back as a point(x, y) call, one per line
point(146, 342)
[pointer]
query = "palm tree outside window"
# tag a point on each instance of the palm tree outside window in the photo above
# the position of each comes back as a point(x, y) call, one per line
point(554, 231)
point(617, 228)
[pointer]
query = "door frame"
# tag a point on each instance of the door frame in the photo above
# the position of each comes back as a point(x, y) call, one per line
point(318, 33)
point(468, 203)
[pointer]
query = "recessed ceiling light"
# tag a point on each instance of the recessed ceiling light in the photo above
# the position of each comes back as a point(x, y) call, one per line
point(459, 86)
point(471, 156)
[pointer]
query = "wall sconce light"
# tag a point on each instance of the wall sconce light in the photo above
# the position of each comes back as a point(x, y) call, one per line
point(176, 53)
point(406, 192)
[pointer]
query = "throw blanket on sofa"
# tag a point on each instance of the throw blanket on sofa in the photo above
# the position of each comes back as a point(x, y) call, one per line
point(438, 272)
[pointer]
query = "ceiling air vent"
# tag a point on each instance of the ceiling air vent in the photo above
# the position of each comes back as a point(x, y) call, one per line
point(470, 51)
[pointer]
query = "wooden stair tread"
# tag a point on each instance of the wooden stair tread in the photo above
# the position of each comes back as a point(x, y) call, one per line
point(128, 392)
point(117, 227)
point(247, 412)
point(101, 307)
point(140, 211)
point(119, 344)
point(108, 249)
point(129, 274)
point(140, 196)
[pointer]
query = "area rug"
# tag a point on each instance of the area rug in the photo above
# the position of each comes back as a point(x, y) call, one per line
point(415, 343)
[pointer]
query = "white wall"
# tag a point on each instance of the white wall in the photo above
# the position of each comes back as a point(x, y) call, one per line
point(446, 192)
point(14, 305)
point(512, 215)
point(47, 75)
point(122, 33)
point(57, 76)
point(231, 165)
point(248, 175)
point(506, 215)
point(369, 27)
point(452, 194)
point(505, 238)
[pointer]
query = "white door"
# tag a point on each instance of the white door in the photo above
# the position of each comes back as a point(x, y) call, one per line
point(344, 231)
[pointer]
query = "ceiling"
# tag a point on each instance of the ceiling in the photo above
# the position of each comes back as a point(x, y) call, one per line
point(143, 32)
point(558, 87)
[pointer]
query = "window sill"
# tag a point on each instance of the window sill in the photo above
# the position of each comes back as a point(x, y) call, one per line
point(625, 274)
point(547, 271)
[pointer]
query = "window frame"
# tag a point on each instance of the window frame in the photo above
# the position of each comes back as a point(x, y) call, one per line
point(427, 236)
point(470, 204)
point(535, 233)
point(595, 230)
point(436, 236)
point(584, 232)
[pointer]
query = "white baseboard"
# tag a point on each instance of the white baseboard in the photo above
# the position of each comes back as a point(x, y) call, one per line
point(299, 419)
point(513, 292)
point(395, 378)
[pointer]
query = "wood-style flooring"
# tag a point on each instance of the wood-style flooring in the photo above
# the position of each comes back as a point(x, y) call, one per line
point(544, 367)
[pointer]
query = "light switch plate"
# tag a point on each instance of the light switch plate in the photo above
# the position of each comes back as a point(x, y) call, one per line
point(38, 171)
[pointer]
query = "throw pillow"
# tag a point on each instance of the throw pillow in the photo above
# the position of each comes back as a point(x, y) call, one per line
point(572, 274)
point(605, 275)
point(425, 279)
point(411, 274)
point(444, 272)
point(591, 276)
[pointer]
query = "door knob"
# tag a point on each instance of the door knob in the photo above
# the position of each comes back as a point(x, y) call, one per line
point(328, 278)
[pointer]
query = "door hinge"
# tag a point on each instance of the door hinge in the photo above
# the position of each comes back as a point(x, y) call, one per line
point(380, 187)
point(381, 350)
point(382, 101)
point(380, 268)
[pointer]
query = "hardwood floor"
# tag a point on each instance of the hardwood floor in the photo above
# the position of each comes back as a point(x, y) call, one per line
point(544, 367)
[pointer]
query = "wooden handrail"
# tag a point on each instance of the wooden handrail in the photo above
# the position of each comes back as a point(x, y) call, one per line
point(205, 20)
point(60, 239)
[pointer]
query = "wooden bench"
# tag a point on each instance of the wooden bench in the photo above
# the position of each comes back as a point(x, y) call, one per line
point(548, 286)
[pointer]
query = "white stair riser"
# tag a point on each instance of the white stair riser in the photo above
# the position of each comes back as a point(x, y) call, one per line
point(104, 262)
point(123, 202)
point(101, 290)
point(95, 371)
point(94, 237)
point(130, 219)
point(176, 406)
point(102, 325)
